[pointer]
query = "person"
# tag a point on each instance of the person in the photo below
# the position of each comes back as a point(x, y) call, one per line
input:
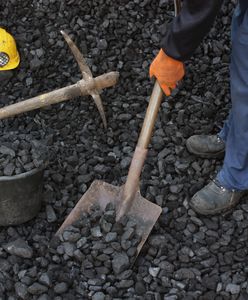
point(9, 56)
point(184, 35)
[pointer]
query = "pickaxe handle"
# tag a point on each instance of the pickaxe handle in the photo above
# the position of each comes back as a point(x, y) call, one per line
point(79, 89)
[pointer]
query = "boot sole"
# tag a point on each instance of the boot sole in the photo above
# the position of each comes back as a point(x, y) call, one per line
point(213, 212)
point(219, 210)
point(219, 154)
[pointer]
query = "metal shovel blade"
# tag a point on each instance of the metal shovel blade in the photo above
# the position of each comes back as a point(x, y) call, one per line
point(144, 212)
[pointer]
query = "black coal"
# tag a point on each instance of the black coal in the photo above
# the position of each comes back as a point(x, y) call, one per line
point(21, 153)
point(91, 257)
point(187, 256)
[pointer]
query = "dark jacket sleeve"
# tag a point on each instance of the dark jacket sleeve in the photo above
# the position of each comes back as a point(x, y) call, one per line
point(189, 28)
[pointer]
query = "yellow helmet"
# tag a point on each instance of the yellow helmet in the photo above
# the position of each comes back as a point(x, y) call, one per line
point(9, 56)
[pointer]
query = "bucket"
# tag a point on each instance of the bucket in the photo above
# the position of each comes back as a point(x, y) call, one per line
point(20, 197)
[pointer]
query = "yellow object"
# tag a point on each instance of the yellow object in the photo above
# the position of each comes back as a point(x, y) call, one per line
point(9, 56)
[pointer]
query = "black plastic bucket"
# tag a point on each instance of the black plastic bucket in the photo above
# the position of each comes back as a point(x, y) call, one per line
point(20, 197)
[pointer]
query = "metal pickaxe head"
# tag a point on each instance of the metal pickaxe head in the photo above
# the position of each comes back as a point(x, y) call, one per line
point(86, 74)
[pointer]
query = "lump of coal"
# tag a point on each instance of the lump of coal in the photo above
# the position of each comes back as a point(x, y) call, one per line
point(19, 248)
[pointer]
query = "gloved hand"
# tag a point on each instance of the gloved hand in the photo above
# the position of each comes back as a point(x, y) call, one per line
point(167, 70)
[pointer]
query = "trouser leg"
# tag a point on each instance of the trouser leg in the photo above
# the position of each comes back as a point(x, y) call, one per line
point(234, 173)
point(224, 131)
point(236, 20)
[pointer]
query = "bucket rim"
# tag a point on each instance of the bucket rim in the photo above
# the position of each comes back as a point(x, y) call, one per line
point(22, 175)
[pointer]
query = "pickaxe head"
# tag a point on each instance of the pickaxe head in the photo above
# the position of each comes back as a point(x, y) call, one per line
point(86, 74)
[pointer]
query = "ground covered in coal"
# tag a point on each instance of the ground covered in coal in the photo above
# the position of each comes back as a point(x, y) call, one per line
point(186, 256)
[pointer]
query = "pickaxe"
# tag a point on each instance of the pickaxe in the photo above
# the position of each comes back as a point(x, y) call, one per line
point(86, 86)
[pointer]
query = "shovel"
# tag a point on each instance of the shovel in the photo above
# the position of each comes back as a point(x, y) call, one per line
point(127, 198)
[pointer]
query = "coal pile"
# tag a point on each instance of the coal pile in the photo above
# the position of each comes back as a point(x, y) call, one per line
point(90, 258)
point(20, 153)
point(187, 256)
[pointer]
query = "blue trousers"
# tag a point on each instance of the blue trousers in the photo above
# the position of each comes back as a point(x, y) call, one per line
point(234, 173)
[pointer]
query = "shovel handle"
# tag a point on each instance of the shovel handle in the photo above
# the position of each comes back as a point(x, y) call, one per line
point(132, 184)
point(150, 117)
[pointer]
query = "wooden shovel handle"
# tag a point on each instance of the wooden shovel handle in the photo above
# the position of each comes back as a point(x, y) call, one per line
point(132, 184)
point(150, 117)
point(154, 103)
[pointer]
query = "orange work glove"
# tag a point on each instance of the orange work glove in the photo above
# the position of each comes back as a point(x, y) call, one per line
point(167, 70)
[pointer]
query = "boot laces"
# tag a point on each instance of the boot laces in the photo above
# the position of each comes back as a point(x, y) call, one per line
point(221, 186)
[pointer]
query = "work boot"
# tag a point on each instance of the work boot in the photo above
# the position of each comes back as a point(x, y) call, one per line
point(207, 146)
point(214, 199)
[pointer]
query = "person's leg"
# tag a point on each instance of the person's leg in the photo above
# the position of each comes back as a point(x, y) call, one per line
point(225, 129)
point(236, 21)
point(243, 4)
point(234, 174)
point(232, 181)
point(211, 146)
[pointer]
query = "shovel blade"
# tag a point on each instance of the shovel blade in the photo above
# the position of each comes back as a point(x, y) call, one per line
point(144, 212)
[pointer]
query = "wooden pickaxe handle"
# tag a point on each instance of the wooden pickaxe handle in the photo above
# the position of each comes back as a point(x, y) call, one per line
point(80, 88)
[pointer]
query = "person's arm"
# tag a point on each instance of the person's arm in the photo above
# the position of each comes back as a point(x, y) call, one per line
point(189, 28)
